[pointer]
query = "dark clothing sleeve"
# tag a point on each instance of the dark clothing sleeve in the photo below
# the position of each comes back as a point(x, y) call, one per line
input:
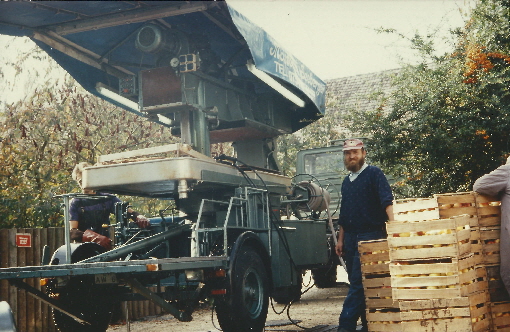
point(73, 210)
point(384, 190)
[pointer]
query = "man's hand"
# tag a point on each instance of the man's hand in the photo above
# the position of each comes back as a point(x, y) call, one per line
point(142, 221)
point(339, 248)
point(103, 241)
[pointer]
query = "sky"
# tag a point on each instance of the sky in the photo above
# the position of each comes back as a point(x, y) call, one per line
point(337, 38)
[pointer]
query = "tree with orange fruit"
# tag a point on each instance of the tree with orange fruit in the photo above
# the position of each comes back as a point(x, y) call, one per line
point(448, 120)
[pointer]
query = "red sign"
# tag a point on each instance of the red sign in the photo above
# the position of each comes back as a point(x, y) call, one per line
point(24, 240)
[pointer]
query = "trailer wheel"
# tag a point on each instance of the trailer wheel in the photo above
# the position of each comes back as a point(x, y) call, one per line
point(325, 277)
point(289, 294)
point(82, 297)
point(93, 305)
point(249, 296)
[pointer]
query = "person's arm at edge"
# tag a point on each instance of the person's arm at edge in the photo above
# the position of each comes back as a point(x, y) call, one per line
point(492, 183)
point(386, 196)
point(75, 233)
point(73, 224)
point(389, 212)
point(340, 243)
point(73, 216)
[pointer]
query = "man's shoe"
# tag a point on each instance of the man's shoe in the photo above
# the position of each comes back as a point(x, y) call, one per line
point(343, 330)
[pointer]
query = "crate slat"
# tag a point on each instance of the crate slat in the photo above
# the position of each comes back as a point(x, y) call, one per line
point(409, 254)
point(414, 204)
point(396, 227)
point(430, 280)
point(500, 313)
point(451, 324)
point(465, 301)
point(415, 209)
point(429, 239)
point(384, 293)
point(375, 256)
point(373, 245)
point(455, 198)
point(377, 282)
point(375, 269)
point(433, 281)
point(455, 204)
point(467, 313)
point(423, 294)
point(380, 316)
point(383, 320)
point(378, 303)
point(454, 264)
point(488, 210)
point(384, 326)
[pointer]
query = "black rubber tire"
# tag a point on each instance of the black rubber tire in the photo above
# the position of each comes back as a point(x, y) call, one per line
point(289, 294)
point(246, 309)
point(87, 301)
point(86, 250)
point(325, 277)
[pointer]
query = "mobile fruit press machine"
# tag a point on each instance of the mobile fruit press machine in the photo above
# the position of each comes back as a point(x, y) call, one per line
point(243, 233)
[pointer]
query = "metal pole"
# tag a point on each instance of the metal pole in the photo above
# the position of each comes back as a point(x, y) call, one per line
point(67, 228)
point(126, 313)
point(335, 240)
point(119, 252)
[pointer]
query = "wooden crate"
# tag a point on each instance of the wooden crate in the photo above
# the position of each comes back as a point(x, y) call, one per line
point(485, 245)
point(467, 313)
point(375, 269)
point(374, 257)
point(497, 290)
point(488, 210)
point(429, 239)
point(456, 204)
point(500, 313)
point(433, 279)
point(415, 209)
point(378, 292)
point(476, 245)
point(489, 242)
point(384, 320)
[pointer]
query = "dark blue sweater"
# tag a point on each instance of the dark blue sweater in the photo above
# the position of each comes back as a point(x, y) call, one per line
point(364, 201)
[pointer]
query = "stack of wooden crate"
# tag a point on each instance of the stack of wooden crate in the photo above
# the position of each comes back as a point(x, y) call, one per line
point(485, 241)
point(383, 314)
point(434, 274)
point(485, 223)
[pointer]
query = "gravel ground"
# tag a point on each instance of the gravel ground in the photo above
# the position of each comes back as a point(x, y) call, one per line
point(316, 307)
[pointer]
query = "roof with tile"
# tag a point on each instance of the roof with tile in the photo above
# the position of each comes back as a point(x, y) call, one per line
point(358, 92)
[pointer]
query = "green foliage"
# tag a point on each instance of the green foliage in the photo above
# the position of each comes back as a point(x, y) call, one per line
point(45, 136)
point(449, 118)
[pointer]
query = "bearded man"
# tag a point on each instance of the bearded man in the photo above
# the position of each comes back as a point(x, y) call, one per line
point(367, 203)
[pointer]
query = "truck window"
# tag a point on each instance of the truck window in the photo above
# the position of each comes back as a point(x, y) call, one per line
point(324, 162)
